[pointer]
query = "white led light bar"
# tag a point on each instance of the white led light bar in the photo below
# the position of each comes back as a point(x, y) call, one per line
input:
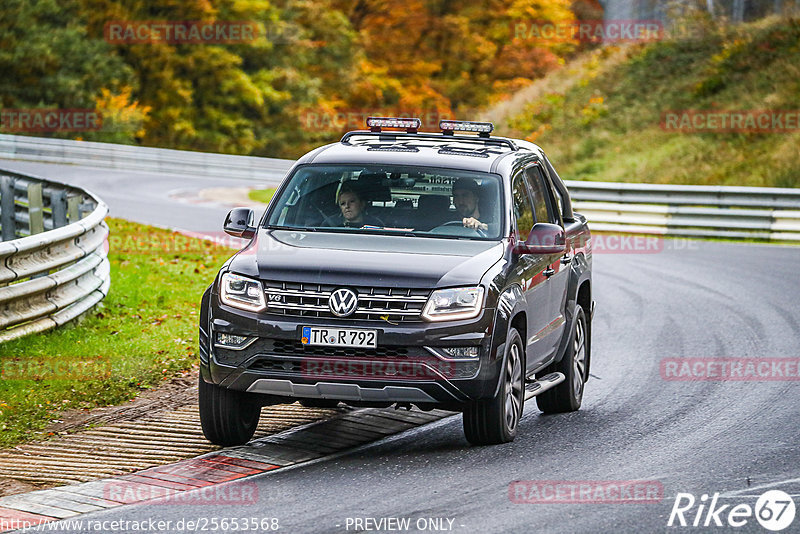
point(448, 127)
point(410, 125)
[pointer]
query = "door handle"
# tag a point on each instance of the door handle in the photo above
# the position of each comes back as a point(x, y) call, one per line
point(565, 259)
point(549, 272)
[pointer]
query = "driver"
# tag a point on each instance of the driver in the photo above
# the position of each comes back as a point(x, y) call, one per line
point(465, 198)
point(352, 206)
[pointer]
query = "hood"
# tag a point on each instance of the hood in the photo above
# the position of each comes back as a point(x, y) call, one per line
point(362, 259)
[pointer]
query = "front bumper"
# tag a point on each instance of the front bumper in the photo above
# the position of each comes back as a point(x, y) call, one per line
point(408, 365)
point(345, 391)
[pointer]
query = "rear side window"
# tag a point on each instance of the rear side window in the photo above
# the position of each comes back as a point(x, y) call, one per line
point(542, 198)
point(559, 194)
point(523, 209)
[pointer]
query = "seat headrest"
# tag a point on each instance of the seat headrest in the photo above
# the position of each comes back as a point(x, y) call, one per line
point(434, 203)
point(374, 186)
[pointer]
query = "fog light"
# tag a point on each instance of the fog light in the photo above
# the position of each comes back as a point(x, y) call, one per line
point(233, 341)
point(461, 352)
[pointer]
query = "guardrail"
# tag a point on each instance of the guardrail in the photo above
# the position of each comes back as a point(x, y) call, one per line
point(53, 262)
point(690, 211)
point(135, 158)
point(677, 210)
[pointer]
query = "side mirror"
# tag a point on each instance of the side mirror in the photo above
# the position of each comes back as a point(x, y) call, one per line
point(239, 223)
point(545, 238)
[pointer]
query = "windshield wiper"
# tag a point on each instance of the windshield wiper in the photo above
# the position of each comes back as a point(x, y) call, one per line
point(291, 228)
point(403, 233)
point(369, 231)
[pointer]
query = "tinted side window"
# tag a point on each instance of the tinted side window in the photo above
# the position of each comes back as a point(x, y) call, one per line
point(523, 211)
point(556, 202)
point(541, 195)
point(564, 205)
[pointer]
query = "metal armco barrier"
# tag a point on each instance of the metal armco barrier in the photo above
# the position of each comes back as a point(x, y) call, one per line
point(677, 210)
point(134, 158)
point(690, 211)
point(53, 262)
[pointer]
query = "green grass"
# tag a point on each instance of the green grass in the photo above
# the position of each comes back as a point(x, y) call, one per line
point(261, 195)
point(604, 123)
point(144, 332)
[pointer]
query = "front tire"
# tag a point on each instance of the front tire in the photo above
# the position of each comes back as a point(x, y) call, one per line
point(227, 417)
point(567, 396)
point(494, 421)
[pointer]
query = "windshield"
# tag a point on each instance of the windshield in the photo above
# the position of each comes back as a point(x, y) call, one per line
point(388, 199)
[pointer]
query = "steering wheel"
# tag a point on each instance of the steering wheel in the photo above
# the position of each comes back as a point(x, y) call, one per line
point(479, 231)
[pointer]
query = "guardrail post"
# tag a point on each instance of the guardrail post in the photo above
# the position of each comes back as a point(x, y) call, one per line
point(74, 208)
point(7, 215)
point(84, 208)
point(58, 203)
point(35, 208)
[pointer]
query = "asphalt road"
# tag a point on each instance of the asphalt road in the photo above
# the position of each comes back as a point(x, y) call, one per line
point(690, 300)
point(166, 200)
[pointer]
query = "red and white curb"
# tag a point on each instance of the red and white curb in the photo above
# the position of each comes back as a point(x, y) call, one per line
point(190, 480)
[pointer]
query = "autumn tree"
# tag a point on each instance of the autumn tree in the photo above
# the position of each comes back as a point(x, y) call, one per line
point(48, 60)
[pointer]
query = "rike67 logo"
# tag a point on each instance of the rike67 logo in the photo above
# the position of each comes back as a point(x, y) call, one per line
point(774, 510)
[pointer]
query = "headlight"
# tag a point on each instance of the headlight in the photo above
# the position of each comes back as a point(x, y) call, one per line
point(452, 304)
point(241, 292)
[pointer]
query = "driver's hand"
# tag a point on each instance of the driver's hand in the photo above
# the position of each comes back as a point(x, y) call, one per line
point(475, 224)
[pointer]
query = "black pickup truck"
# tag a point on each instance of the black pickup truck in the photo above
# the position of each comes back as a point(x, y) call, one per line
point(397, 267)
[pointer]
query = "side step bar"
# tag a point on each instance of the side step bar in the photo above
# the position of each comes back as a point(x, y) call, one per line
point(535, 387)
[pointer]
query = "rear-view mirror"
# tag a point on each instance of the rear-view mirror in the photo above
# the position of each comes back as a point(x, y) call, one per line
point(544, 238)
point(239, 223)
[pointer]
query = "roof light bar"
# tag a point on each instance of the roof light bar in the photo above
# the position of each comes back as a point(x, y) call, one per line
point(376, 123)
point(483, 129)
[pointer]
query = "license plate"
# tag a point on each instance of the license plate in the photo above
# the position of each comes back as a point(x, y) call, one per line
point(339, 337)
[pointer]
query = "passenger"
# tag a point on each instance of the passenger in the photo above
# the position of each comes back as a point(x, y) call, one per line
point(466, 196)
point(353, 210)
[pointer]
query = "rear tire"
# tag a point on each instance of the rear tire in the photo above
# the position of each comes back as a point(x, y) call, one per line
point(494, 421)
point(567, 396)
point(227, 417)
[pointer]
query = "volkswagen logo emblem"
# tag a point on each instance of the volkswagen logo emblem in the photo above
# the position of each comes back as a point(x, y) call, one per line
point(343, 302)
